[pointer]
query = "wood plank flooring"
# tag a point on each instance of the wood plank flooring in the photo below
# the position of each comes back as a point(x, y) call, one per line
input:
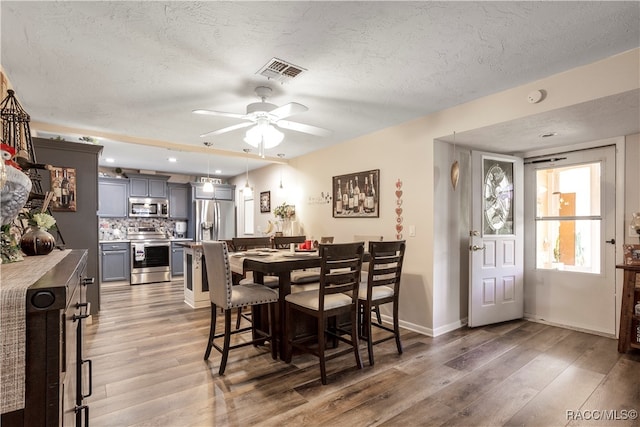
point(147, 347)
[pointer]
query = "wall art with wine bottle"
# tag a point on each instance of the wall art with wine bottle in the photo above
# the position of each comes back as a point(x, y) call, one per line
point(63, 185)
point(357, 195)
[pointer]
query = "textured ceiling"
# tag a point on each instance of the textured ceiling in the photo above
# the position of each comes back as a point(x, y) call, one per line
point(134, 71)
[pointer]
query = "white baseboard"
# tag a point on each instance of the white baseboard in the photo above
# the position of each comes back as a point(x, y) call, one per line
point(532, 318)
point(427, 331)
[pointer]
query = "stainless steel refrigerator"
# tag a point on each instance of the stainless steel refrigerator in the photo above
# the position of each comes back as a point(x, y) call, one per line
point(214, 220)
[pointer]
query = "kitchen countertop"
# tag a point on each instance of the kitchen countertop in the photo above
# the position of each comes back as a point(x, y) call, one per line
point(173, 239)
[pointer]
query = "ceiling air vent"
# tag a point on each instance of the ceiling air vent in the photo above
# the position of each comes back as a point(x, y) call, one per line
point(279, 70)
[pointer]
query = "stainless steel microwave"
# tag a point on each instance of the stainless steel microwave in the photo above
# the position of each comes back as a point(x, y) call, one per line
point(148, 208)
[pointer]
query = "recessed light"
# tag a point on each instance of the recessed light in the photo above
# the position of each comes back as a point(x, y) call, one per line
point(548, 134)
point(172, 159)
point(218, 171)
point(109, 160)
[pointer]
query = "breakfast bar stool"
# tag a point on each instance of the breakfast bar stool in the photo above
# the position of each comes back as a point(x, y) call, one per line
point(338, 294)
point(381, 287)
point(228, 297)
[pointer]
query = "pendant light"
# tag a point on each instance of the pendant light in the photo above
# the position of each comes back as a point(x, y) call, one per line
point(281, 155)
point(208, 185)
point(455, 166)
point(247, 191)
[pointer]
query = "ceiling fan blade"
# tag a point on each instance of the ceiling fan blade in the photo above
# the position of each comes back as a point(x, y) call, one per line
point(288, 110)
point(227, 129)
point(313, 130)
point(219, 113)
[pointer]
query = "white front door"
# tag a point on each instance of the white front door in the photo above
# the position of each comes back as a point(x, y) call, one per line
point(496, 239)
point(570, 246)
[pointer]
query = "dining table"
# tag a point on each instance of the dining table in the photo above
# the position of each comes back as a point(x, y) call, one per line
point(276, 262)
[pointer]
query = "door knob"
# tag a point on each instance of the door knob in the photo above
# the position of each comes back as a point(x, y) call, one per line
point(612, 241)
point(476, 248)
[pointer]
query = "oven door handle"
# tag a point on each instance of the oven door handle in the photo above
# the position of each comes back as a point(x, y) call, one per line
point(151, 244)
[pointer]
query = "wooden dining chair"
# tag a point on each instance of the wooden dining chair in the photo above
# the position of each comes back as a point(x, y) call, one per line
point(223, 294)
point(246, 243)
point(381, 287)
point(283, 242)
point(366, 238)
point(337, 295)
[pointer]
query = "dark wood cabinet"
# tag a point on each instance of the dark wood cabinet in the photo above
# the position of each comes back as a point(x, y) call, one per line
point(629, 334)
point(56, 375)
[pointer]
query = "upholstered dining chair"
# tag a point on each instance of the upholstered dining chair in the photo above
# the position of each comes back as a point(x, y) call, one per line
point(337, 295)
point(223, 294)
point(381, 287)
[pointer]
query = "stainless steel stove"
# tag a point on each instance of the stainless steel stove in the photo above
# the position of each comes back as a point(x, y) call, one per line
point(150, 255)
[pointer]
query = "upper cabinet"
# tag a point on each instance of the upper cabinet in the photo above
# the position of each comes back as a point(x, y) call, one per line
point(113, 197)
point(148, 186)
point(220, 191)
point(179, 200)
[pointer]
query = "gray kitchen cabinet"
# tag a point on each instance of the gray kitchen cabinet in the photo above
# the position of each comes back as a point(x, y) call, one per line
point(148, 186)
point(220, 191)
point(113, 197)
point(177, 260)
point(114, 261)
point(179, 201)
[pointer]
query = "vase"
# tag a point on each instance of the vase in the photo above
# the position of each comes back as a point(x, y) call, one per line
point(37, 241)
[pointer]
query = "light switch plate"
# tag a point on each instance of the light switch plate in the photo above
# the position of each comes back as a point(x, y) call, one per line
point(412, 231)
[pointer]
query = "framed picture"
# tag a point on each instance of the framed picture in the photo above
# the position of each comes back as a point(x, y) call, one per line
point(63, 185)
point(356, 195)
point(631, 254)
point(265, 201)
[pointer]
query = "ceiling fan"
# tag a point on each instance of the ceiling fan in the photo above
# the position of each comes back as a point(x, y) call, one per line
point(262, 115)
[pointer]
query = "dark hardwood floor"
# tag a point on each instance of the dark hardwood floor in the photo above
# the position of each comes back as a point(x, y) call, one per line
point(147, 347)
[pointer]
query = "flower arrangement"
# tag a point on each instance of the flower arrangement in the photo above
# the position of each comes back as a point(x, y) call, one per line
point(285, 211)
point(40, 219)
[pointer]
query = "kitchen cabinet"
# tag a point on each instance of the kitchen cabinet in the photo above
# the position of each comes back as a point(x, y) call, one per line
point(148, 186)
point(179, 201)
point(113, 197)
point(114, 261)
point(220, 191)
point(177, 259)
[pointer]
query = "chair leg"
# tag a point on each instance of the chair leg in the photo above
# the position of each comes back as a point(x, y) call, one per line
point(378, 317)
point(321, 349)
point(272, 329)
point(368, 332)
point(212, 331)
point(239, 318)
point(396, 326)
point(354, 335)
point(289, 332)
point(227, 341)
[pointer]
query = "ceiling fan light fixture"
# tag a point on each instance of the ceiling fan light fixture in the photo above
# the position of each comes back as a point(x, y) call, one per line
point(265, 133)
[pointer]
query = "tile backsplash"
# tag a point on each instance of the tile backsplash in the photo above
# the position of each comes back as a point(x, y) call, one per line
point(116, 228)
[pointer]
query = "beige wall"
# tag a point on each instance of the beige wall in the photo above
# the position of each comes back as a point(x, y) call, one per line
point(406, 152)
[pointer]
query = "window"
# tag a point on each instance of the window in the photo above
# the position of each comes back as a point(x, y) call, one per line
point(568, 218)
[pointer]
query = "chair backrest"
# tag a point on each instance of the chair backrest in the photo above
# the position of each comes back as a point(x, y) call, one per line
point(385, 266)
point(216, 257)
point(340, 269)
point(283, 242)
point(244, 243)
point(367, 238)
point(326, 239)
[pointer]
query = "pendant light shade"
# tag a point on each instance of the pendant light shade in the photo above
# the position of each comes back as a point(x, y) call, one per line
point(208, 186)
point(263, 136)
point(247, 191)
